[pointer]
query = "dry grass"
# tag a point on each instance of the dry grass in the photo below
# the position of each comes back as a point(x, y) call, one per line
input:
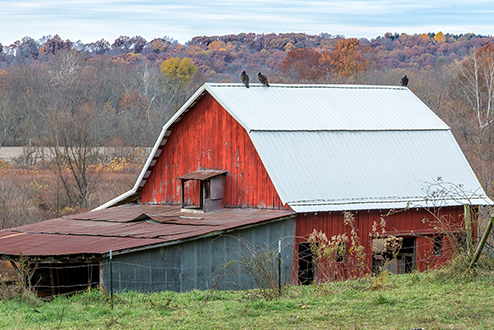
point(30, 194)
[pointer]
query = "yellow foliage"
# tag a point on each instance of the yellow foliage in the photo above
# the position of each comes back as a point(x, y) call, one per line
point(217, 45)
point(4, 164)
point(231, 47)
point(183, 70)
point(439, 37)
point(118, 61)
point(123, 164)
point(288, 47)
point(425, 38)
point(159, 46)
point(109, 109)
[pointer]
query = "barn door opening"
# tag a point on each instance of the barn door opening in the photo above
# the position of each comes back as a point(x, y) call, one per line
point(305, 264)
point(405, 261)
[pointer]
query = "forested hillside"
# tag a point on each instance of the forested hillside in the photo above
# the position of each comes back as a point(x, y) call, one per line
point(55, 91)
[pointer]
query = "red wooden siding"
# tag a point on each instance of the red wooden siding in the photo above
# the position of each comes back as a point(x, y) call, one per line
point(208, 137)
point(408, 223)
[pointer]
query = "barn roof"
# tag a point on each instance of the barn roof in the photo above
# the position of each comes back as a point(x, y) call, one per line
point(343, 147)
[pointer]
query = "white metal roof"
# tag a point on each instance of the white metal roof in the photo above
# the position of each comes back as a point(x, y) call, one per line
point(352, 170)
point(325, 107)
point(342, 147)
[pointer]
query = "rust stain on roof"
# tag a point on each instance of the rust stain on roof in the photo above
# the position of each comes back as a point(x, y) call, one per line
point(202, 174)
point(125, 227)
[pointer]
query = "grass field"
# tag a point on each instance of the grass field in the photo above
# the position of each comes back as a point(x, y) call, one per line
point(434, 300)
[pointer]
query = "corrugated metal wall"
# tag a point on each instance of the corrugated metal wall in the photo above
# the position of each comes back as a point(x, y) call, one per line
point(203, 264)
point(207, 137)
point(418, 223)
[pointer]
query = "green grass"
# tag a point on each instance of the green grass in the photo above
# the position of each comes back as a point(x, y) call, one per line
point(434, 300)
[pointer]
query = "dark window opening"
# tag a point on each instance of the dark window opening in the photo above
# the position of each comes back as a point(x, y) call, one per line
point(407, 255)
point(437, 249)
point(461, 239)
point(341, 252)
point(305, 264)
point(408, 261)
point(211, 190)
point(207, 189)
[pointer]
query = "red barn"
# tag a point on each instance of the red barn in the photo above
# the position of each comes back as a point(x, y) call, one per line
point(319, 150)
point(357, 164)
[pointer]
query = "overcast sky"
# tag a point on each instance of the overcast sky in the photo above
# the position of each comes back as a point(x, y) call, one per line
point(91, 20)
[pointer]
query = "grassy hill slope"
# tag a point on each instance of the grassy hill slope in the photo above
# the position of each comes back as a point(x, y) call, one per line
point(434, 300)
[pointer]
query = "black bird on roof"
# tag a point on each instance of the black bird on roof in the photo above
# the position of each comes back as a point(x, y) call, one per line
point(404, 81)
point(262, 79)
point(245, 78)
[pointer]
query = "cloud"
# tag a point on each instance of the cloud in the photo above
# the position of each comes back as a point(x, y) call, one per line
point(95, 19)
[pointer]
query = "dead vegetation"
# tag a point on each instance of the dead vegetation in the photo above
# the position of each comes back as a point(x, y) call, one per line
point(35, 193)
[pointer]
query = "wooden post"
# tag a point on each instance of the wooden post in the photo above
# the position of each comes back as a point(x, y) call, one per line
point(468, 228)
point(482, 241)
point(182, 185)
point(52, 280)
point(201, 195)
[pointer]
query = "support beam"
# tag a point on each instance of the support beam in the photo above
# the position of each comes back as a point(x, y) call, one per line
point(482, 241)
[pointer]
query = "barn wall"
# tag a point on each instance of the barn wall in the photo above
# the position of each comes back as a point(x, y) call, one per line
point(198, 264)
point(418, 223)
point(208, 137)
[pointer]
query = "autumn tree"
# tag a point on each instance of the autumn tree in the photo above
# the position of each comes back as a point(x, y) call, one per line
point(439, 37)
point(349, 58)
point(73, 123)
point(302, 65)
point(176, 76)
point(477, 82)
point(8, 118)
point(73, 146)
point(54, 45)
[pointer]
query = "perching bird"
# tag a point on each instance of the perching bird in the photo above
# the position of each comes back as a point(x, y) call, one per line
point(262, 79)
point(404, 81)
point(245, 78)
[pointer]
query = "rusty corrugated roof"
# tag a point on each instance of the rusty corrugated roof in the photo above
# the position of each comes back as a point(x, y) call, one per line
point(125, 227)
point(202, 174)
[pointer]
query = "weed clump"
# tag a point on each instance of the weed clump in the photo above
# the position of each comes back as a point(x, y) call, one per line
point(18, 286)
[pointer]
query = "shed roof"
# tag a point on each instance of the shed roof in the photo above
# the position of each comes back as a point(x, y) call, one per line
point(202, 174)
point(126, 227)
point(343, 147)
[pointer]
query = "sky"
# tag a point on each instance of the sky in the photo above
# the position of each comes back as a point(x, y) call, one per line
point(92, 20)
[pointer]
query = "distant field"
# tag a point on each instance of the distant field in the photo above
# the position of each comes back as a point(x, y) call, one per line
point(9, 154)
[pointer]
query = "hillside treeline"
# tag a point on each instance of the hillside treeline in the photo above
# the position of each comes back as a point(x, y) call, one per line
point(61, 92)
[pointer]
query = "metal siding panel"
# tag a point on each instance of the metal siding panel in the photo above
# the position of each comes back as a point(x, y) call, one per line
point(192, 265)
point(405, 223)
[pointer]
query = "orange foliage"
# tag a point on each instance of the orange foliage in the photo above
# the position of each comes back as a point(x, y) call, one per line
point(440, 38)
point(349, 58)
point(302, 65)
point(132, 100)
